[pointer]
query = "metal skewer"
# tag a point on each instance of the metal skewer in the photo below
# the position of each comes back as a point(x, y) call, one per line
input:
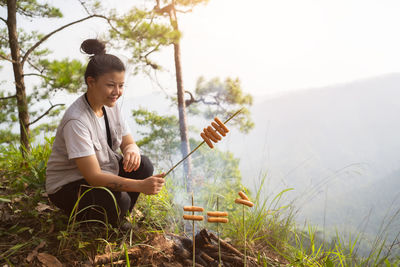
point(191, 152)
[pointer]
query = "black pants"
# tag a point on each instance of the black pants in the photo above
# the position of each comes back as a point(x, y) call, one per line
point(100, 202)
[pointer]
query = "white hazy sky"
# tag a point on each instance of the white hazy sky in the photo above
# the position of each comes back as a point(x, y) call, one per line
point(273, 46)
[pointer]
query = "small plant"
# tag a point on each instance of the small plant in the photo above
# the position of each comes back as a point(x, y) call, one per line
point(29, 170)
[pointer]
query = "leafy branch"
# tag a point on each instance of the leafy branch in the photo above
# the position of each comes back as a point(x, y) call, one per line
point(47, 36)
point(45, 113)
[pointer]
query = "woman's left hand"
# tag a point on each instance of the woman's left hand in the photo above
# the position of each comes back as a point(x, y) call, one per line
point(131, 160)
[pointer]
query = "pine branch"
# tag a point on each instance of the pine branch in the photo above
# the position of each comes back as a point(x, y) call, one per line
point(192, 100)
point(82, 2)
point(35, 67)
point(4, 20)
point(30, 50)
point(44, 114)
point(39, 75)
point(7, 58)
point(84, 6)
point(8, 97)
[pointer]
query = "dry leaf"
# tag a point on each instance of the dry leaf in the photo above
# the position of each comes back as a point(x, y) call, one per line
point(48, 260)
point(108, 248)
point(34, 252)
point(42, 207)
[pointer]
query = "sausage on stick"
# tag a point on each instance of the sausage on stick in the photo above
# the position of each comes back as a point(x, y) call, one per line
point(243, 196)
point(218, 128)
point(207, 140)
point(217, 213)
point(220, 123)
point(214, 133)
point(210, 135)
point(193, 217)
point(217, 220)
point(244, 202)
point(192, 208)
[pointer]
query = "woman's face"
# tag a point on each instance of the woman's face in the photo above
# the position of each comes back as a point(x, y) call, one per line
point(107, 88)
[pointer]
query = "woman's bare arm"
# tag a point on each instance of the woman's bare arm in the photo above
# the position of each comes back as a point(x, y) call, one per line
point(131, 153)
point(90, 169)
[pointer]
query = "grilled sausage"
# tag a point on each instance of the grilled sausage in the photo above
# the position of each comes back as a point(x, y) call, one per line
point(217, 213)
point(220, 123)
point(207, 140)
point(218, 128)
point(192, 208)
point(193, 217)
point(243, 196)
point(217, 220)
point(244, 202)
point(214, 133)
point(210, 135)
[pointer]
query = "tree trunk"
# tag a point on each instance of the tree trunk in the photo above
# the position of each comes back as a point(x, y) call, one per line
point(22, 103)
point(183, 128)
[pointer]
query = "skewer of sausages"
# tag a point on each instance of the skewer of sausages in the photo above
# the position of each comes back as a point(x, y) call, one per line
point(217, 213)
point(220, 123)
point(213, 134)
point(193, 217)
point(244, 202)
point(217, 220)
point(192, 208)
point(243, 196)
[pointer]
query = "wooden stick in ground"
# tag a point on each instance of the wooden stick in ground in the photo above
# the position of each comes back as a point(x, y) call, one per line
point(244, 234)
point(191, 152)
point(219, 243)
point(194, 237)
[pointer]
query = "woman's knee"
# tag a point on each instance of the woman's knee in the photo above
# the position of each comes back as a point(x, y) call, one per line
point(146, 168)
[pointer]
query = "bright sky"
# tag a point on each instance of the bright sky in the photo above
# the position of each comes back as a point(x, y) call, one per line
point(272, 45)
point(290, 44)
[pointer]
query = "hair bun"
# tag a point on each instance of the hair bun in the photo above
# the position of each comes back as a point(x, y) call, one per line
point(93, 47)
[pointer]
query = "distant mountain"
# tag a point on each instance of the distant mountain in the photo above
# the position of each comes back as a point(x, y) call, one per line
point(337, 146)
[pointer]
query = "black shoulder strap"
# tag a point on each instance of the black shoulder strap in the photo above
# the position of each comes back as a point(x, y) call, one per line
point(109, 140)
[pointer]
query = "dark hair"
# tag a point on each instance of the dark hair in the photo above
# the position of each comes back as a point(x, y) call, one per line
point(99, 62)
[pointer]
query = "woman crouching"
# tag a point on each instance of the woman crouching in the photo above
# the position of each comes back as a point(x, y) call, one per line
point(85, 150)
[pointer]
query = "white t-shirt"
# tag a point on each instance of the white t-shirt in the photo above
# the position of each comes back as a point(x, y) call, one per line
point(78, 140)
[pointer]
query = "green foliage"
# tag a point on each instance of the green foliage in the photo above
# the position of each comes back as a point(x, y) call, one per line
point(28, 172)
point(33, 8)
point(7, 114)
point(158, 211)
point(140, 34)
point(63, 74)
point(55, 75)
point(222, 99)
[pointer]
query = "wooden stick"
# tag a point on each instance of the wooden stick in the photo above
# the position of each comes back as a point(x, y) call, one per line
point(219, 243)
point(244, 232)
point(231, 117)
point(194, 236)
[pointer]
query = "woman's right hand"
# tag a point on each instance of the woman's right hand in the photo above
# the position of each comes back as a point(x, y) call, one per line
point(152, 185)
